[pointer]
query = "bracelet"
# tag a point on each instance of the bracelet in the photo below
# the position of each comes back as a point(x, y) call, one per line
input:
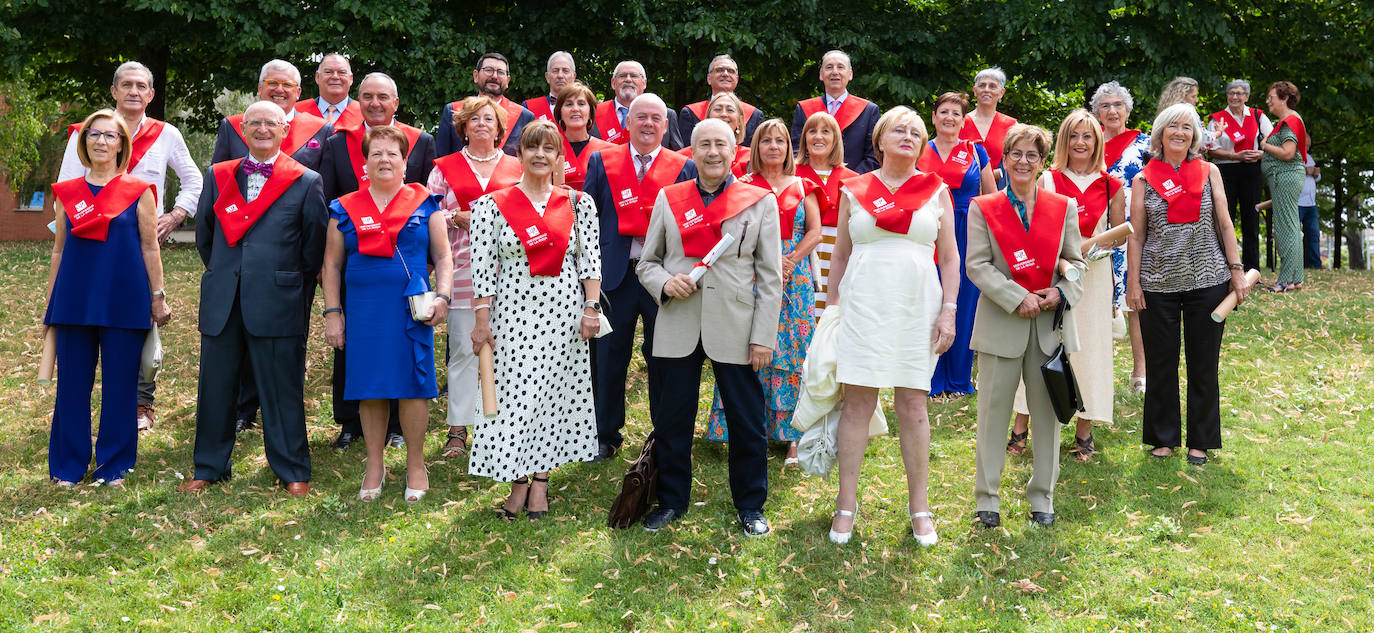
point(1234, 266)
point(951, 306)
point(481, 306)
point(332, 310)
point(160, 292)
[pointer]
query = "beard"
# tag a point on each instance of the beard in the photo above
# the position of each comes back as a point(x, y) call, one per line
point(493, 89)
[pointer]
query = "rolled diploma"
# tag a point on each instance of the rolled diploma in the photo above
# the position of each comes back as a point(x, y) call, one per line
point(1229, 303)
point(1068, 271)
point(47, 366)
point(1108, 236)
point(486, 371)
point(699, 270)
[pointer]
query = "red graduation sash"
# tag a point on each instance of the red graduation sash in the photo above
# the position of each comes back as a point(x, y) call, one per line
point(303, 127)
point(699, 109)
point(541, 108)
point(849, 110)
point(952, 169)
point(634, 200)
point(1091, 203)
point(739, 165)
point(143, 140)
point(236, 215)
point(463, 181)
point(545, 237)
point(789, 199)
point(575, 166)
point(377, 229)
point(608, 123)
point(1031, 255)
point(1242, 135)
point(1116, 145)
point(90, 215)
point(1299, 130)
point(353, 140)
point(893, 209)
point(351, 116)
point(1182, 189)
point(829, 189)
point(997, 132)
point(698, 224)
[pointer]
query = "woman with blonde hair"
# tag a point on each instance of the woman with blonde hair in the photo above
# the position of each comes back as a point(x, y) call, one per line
point(820, 159)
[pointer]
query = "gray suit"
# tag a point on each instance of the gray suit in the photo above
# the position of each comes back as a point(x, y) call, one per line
point(1011, 349)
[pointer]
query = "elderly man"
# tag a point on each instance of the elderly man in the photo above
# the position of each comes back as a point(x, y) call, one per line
point(738, 299)
point(624, 181)
point(627, 83)
point(492, 77)
point(722, 75)
point(280, 83)
point(559, 72)
point(260, 232)
point(342, 170)
point(334, 78)
point(157, 145)
point(856, 116)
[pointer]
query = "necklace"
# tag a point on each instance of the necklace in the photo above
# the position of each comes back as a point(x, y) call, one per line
point(485, 159)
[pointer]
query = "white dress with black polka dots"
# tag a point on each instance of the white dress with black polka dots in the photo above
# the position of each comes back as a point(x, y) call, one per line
point(543, 370)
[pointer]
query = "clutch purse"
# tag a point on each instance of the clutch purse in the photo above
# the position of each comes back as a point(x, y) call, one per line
point(422, 305)
point(150, 361)
point(1059, 379)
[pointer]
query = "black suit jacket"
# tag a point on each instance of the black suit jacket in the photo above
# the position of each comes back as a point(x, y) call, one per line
point(688, 120)
point(337, 169)
point(615, 248)
point(272, 267)
point(447, 141)
point(858, 138)
point(229, 145)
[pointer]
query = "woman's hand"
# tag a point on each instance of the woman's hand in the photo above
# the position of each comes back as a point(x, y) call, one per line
point(591, 323)
point(334, 330)
point(943, 335)
point(1135, 299)
point(788, 265)
point(459, 219)
point(440, 312)
point(481, 335)
point(1239, 285)
point(161, 312)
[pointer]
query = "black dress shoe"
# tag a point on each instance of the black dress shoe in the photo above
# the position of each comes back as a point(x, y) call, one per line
point(753, 523)
point(395, 440)
point(604, 451)
point(987, 518)
point(1197, 460)
point(243, 424)
point(1045, 519)
point(660, 518)
point(344, 440)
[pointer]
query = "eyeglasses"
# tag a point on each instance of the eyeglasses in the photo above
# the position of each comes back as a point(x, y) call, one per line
point(1017, 156)
point(493, 71)
point(1237, 93)
point(628, 76)
point(261, 123)
point(725, 70)
point(110, 137)
point(275, 83)
point(1112, 105)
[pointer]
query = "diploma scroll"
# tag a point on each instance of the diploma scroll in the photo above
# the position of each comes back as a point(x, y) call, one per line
point(1069, 271)
point(700, 269)
point(486, 371)
point(47, 365)
point(1108, 236)
point(1229, 303)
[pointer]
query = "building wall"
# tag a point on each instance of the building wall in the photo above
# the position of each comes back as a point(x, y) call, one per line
point(22, 225)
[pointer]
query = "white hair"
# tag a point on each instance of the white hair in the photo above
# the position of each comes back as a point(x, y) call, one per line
point(548, 66)
point(713, 124)
point(1183, 112)
point(1112, 88)
point(279, 64)
point(847, 62)
point(270, 105)
point(1238, 83)
point(132, 66)
point(991, 73)
point(712, 65)
point(379, 75)
point(632, 63)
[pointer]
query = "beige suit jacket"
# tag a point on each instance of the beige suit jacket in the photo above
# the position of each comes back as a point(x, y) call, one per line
point(997, 329)
point(738, 300)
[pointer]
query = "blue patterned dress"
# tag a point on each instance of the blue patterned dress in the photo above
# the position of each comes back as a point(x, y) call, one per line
point(1132, 160)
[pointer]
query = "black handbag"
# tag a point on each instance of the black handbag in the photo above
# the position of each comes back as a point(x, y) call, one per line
point(1059, 379)
point(637, 490)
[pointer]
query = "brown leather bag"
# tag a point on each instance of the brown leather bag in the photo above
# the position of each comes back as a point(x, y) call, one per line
point(636, 490)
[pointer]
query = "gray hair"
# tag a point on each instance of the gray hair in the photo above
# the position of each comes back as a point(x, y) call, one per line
point(556, 54)
point(271, 106)
point(279, 64)
point(380, 75)
point(992, 72)
point(721, 56)
point(1238, 83)
point(847, 61)
point(326, 58)
point(712, 124)
point(132, 66)
point(1181, 112)
point(1112, 89)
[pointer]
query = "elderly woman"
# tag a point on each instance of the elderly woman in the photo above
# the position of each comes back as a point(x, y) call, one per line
point(1016, 239)
point(101, 302)
point(772, 166)
point(1285, 150)
point(1184, 260)
point(985, 125)
point(1126, 152)
point(728, 108)
point(820, 159)
point(459, 179)
point(896, 313)
point(573, 109)
point(535, 246)
point(388, 234)
point(967, 171)
point(1239, 131)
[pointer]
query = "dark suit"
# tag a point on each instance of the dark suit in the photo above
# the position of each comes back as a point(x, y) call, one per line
point(229, 146)
point(447, 141)
point(858, 138)
point(687, 120)
point(253, 307)
point(626, 303)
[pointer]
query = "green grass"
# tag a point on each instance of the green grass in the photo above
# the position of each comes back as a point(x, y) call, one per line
point(1275, 533)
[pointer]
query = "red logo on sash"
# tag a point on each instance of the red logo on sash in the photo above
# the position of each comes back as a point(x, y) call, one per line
point(893, 209)
point(1092, 203)
point(463, 181)
point(353, 140)
point(377, 229)
point(1116, 145)
point(830, 190)
point(608, 123)
point(236, 215)
point(952, 169)
point(1242, 135)
point(143, 140)
point(634, 200)
point(789, 199)
point(575, 165)
point(545, 237)
point(304, 126)
point(1032, 255)
point(90, 215)
point(849, 110)
point(1182, 189)
point(1299, 130)
point(997, 133)
point(541, 108)
point(698, 224)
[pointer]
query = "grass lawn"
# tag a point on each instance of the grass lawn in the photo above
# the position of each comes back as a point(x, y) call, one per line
point(1275, 533)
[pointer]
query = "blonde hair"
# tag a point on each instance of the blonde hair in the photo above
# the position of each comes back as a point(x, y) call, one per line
point(772, 126)
point(1175, 92)
point(822, 119)
point(473, 105)
point(1177, 113)
point(1061, 142)
point(739, 112)
point(126, 146)
point(893, 117)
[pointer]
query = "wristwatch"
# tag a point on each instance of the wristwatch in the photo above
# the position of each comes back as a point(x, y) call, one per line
point(595, 305)
point(160, 292)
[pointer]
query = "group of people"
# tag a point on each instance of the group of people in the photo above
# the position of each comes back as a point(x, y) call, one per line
point(546, 233)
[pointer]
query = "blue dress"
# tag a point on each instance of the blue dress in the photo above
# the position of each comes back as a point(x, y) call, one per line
point(103, 284)
point(954, 370)
point(390, 355)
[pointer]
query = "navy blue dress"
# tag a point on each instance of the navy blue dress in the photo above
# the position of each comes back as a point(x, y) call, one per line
point(390, 355)
point(954, 370)
point(103, 284)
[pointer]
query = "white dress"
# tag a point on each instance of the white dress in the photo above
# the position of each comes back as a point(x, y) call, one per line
point(543, 370)
point(889, 300)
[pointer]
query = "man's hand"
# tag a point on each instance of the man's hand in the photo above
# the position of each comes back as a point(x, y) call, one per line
point(760, 356)
point(1030, 306)
point(169, 222)
point(680, 286)
point(1049, 299)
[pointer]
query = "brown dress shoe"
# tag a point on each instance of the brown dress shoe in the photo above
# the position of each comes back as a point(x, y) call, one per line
point(298, 488)
point(195, 485)
point(146, 417)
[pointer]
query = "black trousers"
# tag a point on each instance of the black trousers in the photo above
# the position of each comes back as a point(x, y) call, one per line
point(1159, 328)
point(276, 363)
point(674, 424)
point(1244, 184)
point(611, 354)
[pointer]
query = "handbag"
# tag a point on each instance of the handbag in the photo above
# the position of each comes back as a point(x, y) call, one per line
point(636, 490)
point(150, 361)
point(1059, 378)
point(421, 301)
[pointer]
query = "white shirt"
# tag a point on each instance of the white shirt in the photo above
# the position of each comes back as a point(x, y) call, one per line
point(256, 180)
point(1223, 141)
point(168, 150)
point(1308, 197)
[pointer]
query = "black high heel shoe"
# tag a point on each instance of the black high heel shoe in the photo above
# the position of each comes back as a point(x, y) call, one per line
point(535, 515)
point(507, 515)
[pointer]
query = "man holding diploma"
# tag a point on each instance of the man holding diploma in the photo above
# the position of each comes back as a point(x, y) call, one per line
point(738, 298)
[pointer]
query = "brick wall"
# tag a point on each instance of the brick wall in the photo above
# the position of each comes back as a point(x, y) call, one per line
point(22, 225)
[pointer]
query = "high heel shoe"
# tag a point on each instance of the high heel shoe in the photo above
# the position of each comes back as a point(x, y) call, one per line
point(371, 494)
point(535, 515)
point(412, 495)
point(1138, 385)
point(926, 540)
point(840, 538)
point(507, 515)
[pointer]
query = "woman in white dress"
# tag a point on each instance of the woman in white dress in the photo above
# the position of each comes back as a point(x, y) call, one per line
point(536, 271)
point(896, 314)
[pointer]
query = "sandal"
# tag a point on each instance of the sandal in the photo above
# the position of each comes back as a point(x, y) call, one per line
point(535, 515)
point(1277, 287)
point(457, 442)
point(1085, 448)
point(509, 515)
point(1017, 444)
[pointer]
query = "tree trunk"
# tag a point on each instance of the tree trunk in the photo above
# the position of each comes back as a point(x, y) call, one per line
point(155, 58)
point(1338, 212)
point(1355, 238)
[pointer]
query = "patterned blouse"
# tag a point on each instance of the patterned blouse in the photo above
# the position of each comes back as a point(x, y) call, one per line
point(1180, 257)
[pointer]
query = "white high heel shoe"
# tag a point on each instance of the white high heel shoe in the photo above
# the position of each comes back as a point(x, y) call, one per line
point(412, 495)
point(926, 540)
point(840, 538)
point(371, 494)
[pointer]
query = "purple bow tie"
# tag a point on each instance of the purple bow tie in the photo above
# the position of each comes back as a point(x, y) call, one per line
point(250, 168)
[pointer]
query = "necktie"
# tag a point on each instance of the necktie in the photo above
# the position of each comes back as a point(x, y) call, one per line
point(832, 105)
point(331, 114)
point(251, 167)
point(643, 161)
point(622, 112)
